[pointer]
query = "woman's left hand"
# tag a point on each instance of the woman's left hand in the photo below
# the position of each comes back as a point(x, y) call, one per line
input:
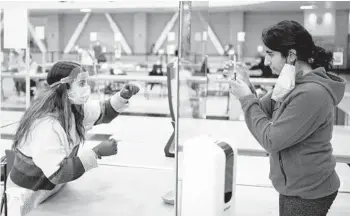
point(239, 88)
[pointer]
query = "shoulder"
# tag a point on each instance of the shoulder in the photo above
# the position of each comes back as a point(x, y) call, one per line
point(310, 95)
point(92, 110)
point(47, 125)
point(91, 106)
point(311, 90)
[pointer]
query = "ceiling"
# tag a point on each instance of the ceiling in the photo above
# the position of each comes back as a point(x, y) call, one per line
point(166, 6)
point(293, 5)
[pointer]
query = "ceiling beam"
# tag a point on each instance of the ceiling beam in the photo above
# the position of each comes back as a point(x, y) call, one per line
point(162, 37)
point(211, 34)
point(78, 30)
point(117, 31)
point(38, 42)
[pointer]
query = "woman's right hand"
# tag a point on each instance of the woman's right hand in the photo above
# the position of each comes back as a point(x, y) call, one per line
point(106, 148)
point(241, 70)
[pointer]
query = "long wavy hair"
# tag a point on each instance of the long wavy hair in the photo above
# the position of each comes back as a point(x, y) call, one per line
point(54, 102)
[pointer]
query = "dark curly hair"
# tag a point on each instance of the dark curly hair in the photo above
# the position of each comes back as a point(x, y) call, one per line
point(289, 34)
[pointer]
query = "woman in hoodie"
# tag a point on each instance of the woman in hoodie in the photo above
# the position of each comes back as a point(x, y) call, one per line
point(51, 132)
point(294, 122)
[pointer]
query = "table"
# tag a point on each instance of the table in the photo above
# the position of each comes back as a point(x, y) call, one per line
point(153, 132)
point(234, 132)
point(111, 191)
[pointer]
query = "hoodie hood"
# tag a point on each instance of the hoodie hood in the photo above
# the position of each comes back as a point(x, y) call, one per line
point(334, 84)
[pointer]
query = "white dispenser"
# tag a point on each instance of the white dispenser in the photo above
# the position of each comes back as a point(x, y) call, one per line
point(209, 178)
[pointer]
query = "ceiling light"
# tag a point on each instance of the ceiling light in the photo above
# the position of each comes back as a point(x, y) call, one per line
point(328, 5)
point(85, 10)
point(307, 7)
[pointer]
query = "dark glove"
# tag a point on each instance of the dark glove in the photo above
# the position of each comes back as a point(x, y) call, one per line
point(129, 90)
point(106, 148)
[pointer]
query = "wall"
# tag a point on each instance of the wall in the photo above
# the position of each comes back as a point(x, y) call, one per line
point(143, 29)
point(254, 23)
point(341, 37)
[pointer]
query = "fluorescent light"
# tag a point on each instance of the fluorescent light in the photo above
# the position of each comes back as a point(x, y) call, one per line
point(307, 7)
point(328, 5)
point(85, 10)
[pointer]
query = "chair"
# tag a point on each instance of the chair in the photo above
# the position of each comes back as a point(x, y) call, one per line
point(156, 71)
point(170, 143)
point(7, 164)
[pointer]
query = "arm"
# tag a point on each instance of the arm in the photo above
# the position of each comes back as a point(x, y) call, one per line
point(94, 115)
point(296, 123)
point(50, 155)
point(265, 101)
point(251, 87)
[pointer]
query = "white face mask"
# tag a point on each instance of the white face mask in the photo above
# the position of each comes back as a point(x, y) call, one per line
point(79, 95)
point(285, 83)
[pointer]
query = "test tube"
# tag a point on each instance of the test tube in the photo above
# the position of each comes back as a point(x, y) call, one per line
point(234, 67)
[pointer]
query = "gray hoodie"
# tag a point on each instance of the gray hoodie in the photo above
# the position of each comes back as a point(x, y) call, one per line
point(297, 134)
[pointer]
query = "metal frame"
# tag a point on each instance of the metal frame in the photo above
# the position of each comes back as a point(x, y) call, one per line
point(160, 79)
point(4, 196)
point(177, 78)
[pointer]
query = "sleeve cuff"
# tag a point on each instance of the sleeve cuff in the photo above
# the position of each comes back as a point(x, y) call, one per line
point(247, 100)
point(118, 103)
point(88, 159)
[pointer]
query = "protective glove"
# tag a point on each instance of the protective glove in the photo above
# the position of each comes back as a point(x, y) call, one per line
point(106, 148)
point(129, 90)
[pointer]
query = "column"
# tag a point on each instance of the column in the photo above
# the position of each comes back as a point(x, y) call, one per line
point(52, 32)
point(140, 33)
point(341, 35)
point(236, 20)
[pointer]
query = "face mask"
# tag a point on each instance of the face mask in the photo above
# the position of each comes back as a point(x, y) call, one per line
point(80, 91)
point(285, 83)
point(79, 95)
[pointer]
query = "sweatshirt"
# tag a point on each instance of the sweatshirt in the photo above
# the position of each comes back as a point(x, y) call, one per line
point(45, 161)
point(297, 133)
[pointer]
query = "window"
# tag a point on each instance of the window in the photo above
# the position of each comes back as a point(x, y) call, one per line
point(93, 36)
point(40, 32)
